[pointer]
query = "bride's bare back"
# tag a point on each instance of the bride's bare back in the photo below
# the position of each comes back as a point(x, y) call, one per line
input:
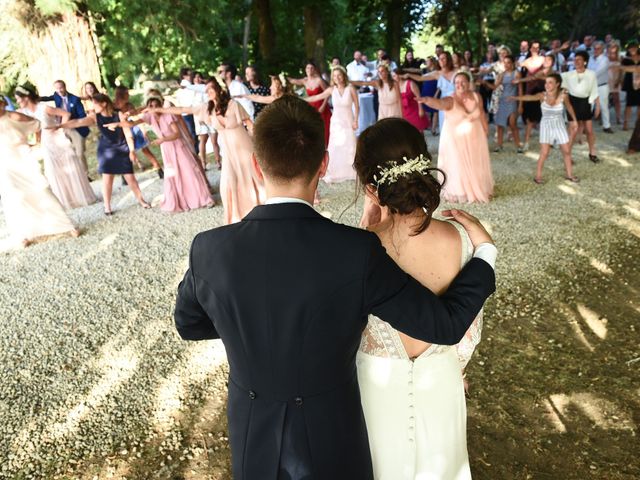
point(432, 258)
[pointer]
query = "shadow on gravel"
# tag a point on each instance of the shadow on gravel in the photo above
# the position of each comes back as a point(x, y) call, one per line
point(554, 390)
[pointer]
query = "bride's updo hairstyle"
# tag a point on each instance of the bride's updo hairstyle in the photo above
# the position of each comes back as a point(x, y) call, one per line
point(390, 144)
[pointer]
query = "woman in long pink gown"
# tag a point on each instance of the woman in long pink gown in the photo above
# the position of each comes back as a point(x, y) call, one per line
point(240, 187)
point(389, 97)
point(463, 154)
point(344, 123)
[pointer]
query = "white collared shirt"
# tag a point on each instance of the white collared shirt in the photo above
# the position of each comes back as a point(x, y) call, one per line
point(600, 65)
point(357, 71)
point(278, 200)
point(581, 85)
point(239, 88)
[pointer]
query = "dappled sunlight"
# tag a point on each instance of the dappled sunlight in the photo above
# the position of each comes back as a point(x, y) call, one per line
point(632, 210)
point(575, 325)
point(595, 263)
point(597, 324)
point(203, 360)
point(632, 226)
point(129, 197)
point(603, 413)
point(620, 161)
point(531, 155)
point(103, 244)
point(567, 189)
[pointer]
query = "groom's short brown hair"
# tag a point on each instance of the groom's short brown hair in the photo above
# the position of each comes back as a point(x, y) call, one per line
point(288, 139)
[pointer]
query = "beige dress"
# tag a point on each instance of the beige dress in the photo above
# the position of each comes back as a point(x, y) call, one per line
point(240, 187)
point(62, 167)
point(30, 208)
point(390, 103)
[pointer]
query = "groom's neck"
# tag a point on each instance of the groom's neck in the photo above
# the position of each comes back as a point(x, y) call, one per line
point(295, 189)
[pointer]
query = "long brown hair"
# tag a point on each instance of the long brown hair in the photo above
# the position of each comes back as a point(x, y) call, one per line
point(222, 103)
point(390, 81)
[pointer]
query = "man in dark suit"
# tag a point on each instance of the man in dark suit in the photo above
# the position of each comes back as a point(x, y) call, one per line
point(72, 104)
point(288, 292)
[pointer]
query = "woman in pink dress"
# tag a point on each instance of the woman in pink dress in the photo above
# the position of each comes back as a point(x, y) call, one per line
point(411, 111)
point(389, 97)
point(314, 84)
point(463, 154)
point(240, 187)
point(344, 123)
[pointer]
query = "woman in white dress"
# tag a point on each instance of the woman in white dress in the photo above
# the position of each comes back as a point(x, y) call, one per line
point(30, 209)
point(62, 167)
point(344, 124)
point(412, 392)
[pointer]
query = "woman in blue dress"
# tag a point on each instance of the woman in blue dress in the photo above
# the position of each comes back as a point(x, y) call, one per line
point(116, 150)
point(429, 89)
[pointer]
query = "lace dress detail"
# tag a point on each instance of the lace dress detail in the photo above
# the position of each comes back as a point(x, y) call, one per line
point(380, 339)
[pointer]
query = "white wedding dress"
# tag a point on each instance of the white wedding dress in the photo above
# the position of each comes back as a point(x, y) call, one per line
point(415, 409)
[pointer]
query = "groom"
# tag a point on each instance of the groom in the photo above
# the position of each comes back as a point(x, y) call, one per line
point(288, 292)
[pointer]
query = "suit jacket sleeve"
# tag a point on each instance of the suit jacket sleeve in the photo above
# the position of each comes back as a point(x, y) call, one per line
point(47, 99)
point(78, 108)
point(411, 308)
point(192, 321)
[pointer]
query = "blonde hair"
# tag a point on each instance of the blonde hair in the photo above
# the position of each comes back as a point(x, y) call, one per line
point(342, 70)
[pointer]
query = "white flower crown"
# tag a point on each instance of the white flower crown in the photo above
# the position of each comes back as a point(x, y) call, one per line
point(393, 171)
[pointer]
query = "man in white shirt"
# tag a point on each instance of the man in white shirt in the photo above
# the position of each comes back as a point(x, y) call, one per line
point(185, 98)
point(582, 85)
point(228, 72)
point(599, 63)
point(382, 57)
point(357, 70)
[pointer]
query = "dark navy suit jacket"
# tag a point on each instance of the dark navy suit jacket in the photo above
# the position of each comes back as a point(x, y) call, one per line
point(75, 108)
point(288, 292)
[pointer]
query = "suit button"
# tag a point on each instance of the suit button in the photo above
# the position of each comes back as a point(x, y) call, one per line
point(252, 395)
point(298, 401)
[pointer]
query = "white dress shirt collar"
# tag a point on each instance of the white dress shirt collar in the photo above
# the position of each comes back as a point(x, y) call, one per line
point(277, 200)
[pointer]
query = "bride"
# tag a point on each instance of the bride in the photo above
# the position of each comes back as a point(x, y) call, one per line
point(412, 392)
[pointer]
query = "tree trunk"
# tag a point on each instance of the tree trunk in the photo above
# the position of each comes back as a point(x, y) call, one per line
point(245, 39)
point(314, 36)
point(64, 50)
point(266, 32)
point(394, 13)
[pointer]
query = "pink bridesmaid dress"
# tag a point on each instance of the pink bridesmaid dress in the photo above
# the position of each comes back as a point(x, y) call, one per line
point(463, 156)
point(342, 141)
point(390, 105)
point(185, 187)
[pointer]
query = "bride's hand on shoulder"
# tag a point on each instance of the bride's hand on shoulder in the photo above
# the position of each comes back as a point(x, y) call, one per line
point(477, 233)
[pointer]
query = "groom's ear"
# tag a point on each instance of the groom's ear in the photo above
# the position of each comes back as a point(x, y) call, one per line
point(323, 165)
point(256, 167)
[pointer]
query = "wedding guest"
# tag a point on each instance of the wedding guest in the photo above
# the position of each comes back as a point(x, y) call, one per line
point(116, 152)
point(89, 89)
point(184, 98)
point(394, 166)
point(552, 128)
point(344, 123)
point(62, 167)
point(390, 99)
point(276, 90)
point(468, 60)
point(631, 83)
point(31, 210)
point(463, 154)
point(357, 70)
point(410, 63)
point(428, 88)
point(531, 113)
point(524, 53)
point(582, 86)
point(615, 79)
point(599, 63)
point(240, 187)
point(383, 57)
point(411, 111)
point(444, 76)
point(508, 108)
point(288, 292)
point(486, 77)
point(458, 62)
point(72, 104)
point(122, 103)
point(314, 84)
point(255, 87)
point(204, 131)
point(185, 185)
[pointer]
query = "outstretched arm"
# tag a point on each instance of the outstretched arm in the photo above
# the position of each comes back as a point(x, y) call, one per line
point(258, 98)
point(296, 81)
point(368, 83)
point(437, 103)
point(88, 121)
point(321, 96)
point(529, 98)
point(173, 110)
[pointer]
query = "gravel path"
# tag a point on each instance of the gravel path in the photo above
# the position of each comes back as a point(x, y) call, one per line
point(95, 382)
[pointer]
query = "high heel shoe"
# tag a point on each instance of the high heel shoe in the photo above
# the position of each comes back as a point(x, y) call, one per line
point(160, 173)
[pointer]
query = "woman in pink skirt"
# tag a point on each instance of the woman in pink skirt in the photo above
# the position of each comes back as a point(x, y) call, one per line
point(463, 154)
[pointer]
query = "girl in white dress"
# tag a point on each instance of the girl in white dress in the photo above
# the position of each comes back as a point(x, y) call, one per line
point(412, 392)
point(30, 209)
point(62, 167)
point(553, 102)
point(344, 124)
